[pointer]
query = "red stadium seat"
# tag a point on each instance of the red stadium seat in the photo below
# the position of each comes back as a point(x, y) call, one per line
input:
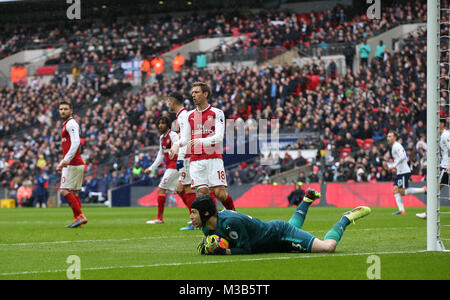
point(345, 152)
point(360, 142)
point(45, 70)
point(368, 144)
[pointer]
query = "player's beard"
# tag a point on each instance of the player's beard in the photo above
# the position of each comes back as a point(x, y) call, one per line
point(64, 118)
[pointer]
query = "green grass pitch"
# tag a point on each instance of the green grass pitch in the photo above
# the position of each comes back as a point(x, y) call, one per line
point(117, 244)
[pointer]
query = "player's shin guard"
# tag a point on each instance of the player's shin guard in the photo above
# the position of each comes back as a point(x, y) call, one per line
point(161, 203)
point(338, 230)
point(298, 218)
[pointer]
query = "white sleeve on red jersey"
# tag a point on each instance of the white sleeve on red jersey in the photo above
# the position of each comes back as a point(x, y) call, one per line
point(173, 137)
point(159, 157)
point(219, 131)
point(74, 131)
point(185, 134)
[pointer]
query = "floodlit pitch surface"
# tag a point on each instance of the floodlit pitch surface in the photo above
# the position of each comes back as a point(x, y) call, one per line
point(117, 244)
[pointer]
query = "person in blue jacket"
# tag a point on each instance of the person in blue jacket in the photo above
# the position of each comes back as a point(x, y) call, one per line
point(40, 191)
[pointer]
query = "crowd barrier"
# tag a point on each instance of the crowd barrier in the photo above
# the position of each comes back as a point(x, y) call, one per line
point(263, 195)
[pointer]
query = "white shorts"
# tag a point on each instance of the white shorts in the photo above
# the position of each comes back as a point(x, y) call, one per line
point(185, 176)
point(207, 173)
point(72, 177)
point(169, 180)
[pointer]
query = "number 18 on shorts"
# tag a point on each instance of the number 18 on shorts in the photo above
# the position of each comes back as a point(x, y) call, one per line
point(207, 173)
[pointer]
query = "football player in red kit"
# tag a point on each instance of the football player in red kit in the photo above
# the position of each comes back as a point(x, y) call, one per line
point(169, 181)
point(72, 165)
point(204, 136)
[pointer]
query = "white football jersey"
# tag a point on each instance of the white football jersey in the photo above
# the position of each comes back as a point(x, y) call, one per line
point(445, 148)
point(400, 159)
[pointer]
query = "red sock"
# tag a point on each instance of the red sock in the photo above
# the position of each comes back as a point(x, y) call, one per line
point(183, 197)
point(76, 206)
point(213, 196)
point(161, 203)
point(79, 203)
point(229, 204)
point(190, 197)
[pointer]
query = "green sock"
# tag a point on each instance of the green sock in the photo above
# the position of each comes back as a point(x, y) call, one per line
point(338, 230)
point(298, 218)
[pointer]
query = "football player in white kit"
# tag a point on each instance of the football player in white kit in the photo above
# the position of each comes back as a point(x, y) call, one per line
point(176, 105)
point(402, 172)
point(170, 177)
point(444, 143)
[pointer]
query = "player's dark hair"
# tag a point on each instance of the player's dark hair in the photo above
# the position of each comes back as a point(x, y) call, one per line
point(164, 120)
point(204, 86)
point(204, 204)
point(66, 103)
point(177, 97)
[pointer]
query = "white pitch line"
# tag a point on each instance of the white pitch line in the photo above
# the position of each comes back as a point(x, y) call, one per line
point(300, 256)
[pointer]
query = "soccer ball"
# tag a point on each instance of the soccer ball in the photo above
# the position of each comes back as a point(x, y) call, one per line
point(223, 243)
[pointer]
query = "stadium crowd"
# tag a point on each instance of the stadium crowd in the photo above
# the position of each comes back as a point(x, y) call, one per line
point(116, 122)
point(142, 37)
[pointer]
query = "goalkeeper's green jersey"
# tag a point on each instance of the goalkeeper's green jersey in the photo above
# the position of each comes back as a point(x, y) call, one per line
point(251, 235)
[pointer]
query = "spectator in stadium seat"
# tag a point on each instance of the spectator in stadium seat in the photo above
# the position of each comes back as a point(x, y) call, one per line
point(237, 178)
point(300, 160)
point(314, 176)
point(366, 132)
point(250, 173)
point(296, 196)
point(378, 133)
point(263, 178)
point(287, 163)
point(350, 142)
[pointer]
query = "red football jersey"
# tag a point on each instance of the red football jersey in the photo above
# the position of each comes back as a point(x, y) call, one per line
point(166, 141)
point(70, 127)
point(206, 124)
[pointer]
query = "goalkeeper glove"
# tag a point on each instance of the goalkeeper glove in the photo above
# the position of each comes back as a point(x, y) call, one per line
point(212, 247)
point(180, 164)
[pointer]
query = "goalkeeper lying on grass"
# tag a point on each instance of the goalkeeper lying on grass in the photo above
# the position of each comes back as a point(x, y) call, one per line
point(246, 234)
